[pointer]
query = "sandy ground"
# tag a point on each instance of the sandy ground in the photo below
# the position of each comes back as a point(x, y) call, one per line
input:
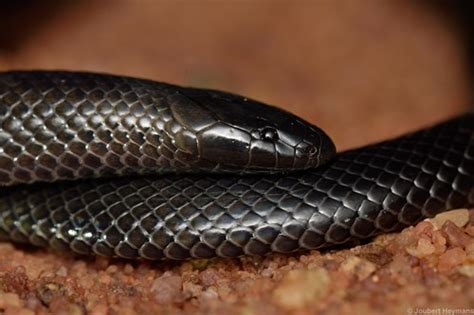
point(363, 71)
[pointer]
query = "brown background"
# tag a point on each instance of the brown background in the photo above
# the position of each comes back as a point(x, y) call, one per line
point(362, 70)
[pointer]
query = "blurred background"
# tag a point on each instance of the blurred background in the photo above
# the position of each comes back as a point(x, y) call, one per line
point(361, 70)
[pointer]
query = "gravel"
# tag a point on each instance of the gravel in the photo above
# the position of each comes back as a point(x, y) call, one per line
point(427, 266)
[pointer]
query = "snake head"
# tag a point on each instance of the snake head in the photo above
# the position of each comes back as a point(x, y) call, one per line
point(237, 134)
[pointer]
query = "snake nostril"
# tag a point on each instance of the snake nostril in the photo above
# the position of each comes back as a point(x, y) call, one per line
point(307, 150)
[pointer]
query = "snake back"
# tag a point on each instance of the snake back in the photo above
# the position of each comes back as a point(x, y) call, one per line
point(70, 125)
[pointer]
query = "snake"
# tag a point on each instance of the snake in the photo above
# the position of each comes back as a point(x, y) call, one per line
point(108, 165)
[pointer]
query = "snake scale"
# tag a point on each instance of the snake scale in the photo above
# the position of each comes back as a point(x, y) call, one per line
point(117, 166)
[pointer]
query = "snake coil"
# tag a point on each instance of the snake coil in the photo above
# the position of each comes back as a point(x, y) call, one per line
point(117, 166)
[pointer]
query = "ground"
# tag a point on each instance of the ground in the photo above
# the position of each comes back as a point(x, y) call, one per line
point(362, 72)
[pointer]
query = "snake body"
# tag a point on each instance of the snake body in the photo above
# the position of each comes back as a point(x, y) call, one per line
point(251, 179)
point(70, 125)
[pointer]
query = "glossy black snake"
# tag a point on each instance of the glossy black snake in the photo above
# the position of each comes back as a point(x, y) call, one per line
point(117, 166)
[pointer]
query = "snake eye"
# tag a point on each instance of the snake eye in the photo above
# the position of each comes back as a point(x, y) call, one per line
point(269, 134)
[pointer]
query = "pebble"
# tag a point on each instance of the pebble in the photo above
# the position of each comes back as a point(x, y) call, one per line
point(62, 271)
point(111, 269)
point(451, 258)
point(128, 269)
point(167, 288)
point(209, 277)
point(456, 236)
point(105, 278)
point(467, 270)
point(209, 294)
point(192, 289)
point(360, 267)
point(301, 287)
point(460, 217)
point(424, 248)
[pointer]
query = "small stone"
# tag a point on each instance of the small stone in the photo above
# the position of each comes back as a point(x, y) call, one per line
point(424, 248)
point(451, 258)
point(424, 228)
point(456, 236)
point(167, 288)
point(267, 272)
point(128, 269)
point(209, 294)
point(192, 289)
point(62, 271)
point(467, 270)
point(360, 267)
point(105, 278)
point(301, 287)
point(209, 277)
point(49, 290)
point(460, 217)
point(111, 269)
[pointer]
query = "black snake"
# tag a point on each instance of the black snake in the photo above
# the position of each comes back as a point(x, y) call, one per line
point(116, 166)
